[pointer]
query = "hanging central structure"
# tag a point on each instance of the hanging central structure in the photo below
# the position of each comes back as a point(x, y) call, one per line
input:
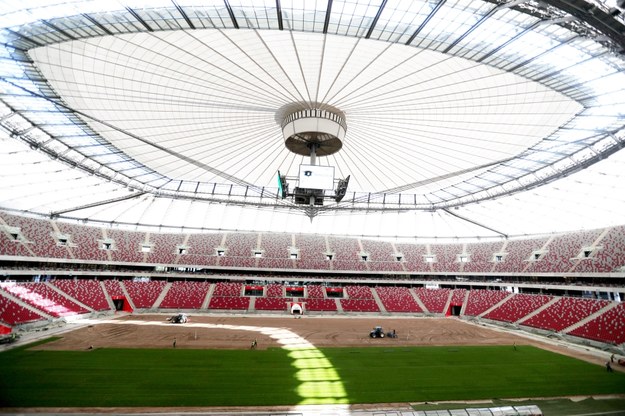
point(314, 132)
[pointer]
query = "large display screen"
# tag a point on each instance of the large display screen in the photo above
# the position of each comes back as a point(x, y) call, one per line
point(316, 177)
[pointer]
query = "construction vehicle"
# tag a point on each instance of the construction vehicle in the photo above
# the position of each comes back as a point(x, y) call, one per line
point(377, 332)
point(181, 318)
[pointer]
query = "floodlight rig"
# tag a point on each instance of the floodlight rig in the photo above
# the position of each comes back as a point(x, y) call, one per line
point(314, 132)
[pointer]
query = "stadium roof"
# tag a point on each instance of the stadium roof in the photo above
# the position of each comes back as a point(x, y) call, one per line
point(463, 118)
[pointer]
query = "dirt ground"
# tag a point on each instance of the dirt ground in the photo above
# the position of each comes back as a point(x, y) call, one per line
point(321, 331)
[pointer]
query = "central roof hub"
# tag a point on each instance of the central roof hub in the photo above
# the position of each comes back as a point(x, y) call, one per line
point(321, 129)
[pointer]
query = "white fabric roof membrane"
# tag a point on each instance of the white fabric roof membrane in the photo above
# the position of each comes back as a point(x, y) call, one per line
point(463, 119)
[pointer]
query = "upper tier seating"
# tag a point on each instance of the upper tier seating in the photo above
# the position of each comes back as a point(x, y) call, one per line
point(87, 241)
point(562, 249)
point(185, 295)
point(480, 301)
point(276, 246)
point(397, 299)
point(414, 260)
point(346, 254)
point(87, 291)
point(201, 249)
point(481, 256)
point(564, 313)
point(607, 327)
point(239, 250)
point(276, 253)
point(44, 298)
point(381, 256)
point(241, 244)
point(311, 252)
point(434, 299)
point(10, 247)
point(127, 245)
point(518, 254)
point(38, 233)
point(610, 257)
point(164, 247)
point(144, 294)
point(12, 313)
point(446, 257)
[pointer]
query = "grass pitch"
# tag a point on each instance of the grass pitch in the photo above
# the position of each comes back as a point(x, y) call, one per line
point(184, 377)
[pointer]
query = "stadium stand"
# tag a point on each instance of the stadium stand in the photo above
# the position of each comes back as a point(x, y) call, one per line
point(517, 307)
point(564, 313)
point(358, 292)
point(113, 288)
point(87, 291)
point(276, 254)
point(446, 257)
point(414, 257)
point(319, 304)
point(271, 304)
point(517, 255)
point(481, 300)
point(609, 257)
point(315, 291)
point(274, 290)
point(39, 233)
point(481, 256)
point(164, 247)
point(86, 241)
point(144, 294)
point(346, 254)
point(12, 313)
point(44, 298)
point(241, 244)
point(607, 327)
point(562, 250)
point(229, 302)
point(457, 296)
point(233, 289)
point(360, 300)
point(397, 299)
point(359, 305)
point(433, 299)
point(185, 295)
point(201, 250)
point(311, 252)
point(127, 245)
point(11, 247)
point(381, 256)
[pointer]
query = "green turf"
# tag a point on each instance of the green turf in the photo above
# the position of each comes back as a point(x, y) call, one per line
point(154, 377)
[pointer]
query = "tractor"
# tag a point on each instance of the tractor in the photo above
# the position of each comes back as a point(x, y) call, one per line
point(181, 318)
point(377, 332)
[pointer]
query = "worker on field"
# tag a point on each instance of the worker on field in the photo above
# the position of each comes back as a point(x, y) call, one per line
point(254, 344)
point(174, 344)
point(608, 367)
